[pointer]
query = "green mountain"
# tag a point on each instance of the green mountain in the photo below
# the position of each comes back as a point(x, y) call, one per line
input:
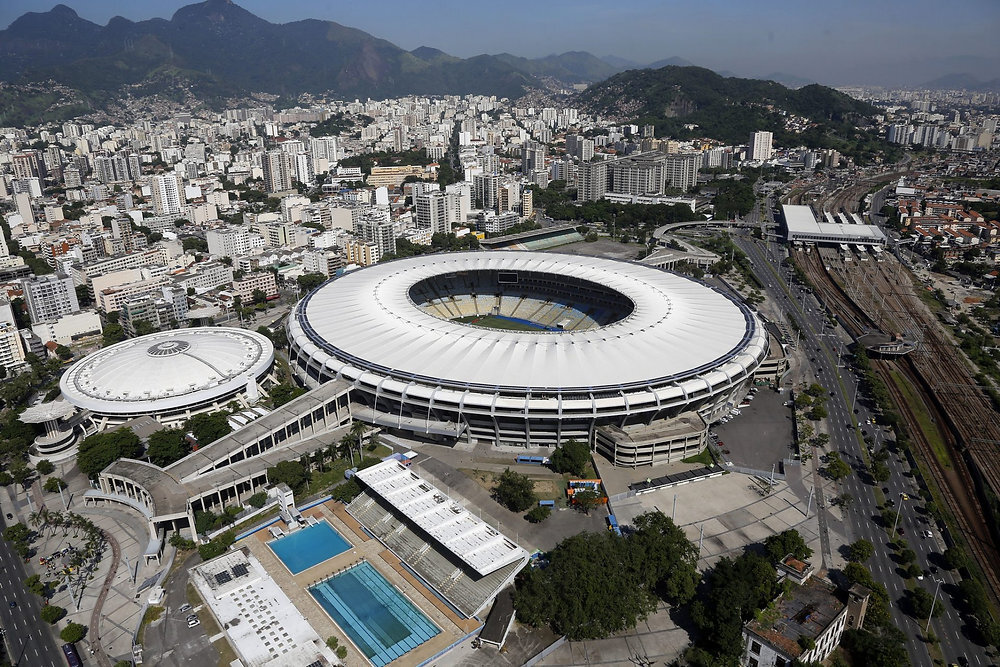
point(674, 99)
point(216, 49)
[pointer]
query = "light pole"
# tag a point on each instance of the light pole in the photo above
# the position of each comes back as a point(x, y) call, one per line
point(902, 497)
point(931, 614)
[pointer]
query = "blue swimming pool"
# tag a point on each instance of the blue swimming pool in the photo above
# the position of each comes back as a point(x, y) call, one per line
point(377, 617)
point(309, 546)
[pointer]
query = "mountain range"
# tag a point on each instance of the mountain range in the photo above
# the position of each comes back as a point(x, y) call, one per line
point(216, 49)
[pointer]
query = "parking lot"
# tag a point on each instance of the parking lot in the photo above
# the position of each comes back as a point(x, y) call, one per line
point(761, 435)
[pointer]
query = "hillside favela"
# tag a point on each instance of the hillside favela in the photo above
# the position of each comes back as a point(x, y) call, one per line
point(546, 334)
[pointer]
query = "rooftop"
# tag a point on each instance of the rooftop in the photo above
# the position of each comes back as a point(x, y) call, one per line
point(472, 540)
point(807, 610)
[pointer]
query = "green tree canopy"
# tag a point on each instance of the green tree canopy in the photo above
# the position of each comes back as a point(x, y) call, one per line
point(571, 457)
point(73, 633)
point(167, 446)
point(784, 543)
point(51, 613)
point(836, 468)
point(98, 451)
point(860, 550)
point(291, 473)
point(208, 427)
point(668, 558)
point(515, 491)
point(45, 467)
point(310, 281)
point(590, 589)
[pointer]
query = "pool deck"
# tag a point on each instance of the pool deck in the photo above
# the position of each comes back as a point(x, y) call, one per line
point(453, 627)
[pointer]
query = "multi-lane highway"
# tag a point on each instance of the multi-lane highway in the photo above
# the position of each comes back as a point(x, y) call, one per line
point(28, 638)
point(849, 420)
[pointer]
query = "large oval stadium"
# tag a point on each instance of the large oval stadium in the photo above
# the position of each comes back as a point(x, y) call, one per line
point(525, 348)
point(169, 375)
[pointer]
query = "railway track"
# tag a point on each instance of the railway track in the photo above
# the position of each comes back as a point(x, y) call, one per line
point(881, 297)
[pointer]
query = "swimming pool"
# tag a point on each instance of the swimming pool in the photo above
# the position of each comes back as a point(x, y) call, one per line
point(308, 546)
point(377, 617)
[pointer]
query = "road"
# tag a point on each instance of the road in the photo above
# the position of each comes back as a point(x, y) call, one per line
point(29, 638)
point(850, 419)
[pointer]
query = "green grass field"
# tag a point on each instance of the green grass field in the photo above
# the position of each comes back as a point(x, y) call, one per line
point(493, 322)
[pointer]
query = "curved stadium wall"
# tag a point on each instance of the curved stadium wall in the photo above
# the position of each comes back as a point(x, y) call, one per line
point(525, 348)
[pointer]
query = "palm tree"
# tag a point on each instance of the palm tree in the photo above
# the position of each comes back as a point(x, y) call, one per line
point(346, 448)
point(358, 432)
point(55, 519)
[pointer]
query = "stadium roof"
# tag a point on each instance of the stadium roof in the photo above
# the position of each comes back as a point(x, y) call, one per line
point(679, 328)
point(167, 371)
point(802, 225)
point(478, 544)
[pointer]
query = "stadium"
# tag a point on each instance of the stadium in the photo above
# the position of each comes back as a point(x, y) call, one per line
point(525, 348)
point(170, 375)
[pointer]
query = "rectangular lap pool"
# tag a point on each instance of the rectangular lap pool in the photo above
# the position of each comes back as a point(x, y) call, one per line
point(308, 546)
point(377, 617)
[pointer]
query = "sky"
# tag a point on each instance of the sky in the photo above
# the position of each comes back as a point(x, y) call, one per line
point(837, 43)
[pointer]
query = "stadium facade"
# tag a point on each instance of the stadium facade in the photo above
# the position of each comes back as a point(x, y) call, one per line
point(525, 348)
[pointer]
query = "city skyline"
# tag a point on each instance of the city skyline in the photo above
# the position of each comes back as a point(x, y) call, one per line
point(883, 43)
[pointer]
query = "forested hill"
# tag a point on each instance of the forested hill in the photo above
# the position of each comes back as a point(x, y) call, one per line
point(729, 109)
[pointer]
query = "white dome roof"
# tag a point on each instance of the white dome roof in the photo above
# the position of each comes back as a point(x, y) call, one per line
point(679, 327)
point(167, 371)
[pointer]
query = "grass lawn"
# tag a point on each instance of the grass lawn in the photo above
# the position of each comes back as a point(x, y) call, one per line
point(927, 426)
point(493, 322)
point(704, 458)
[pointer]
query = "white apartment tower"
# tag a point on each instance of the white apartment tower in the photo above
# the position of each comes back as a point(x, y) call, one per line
point(50, 297)
point(432, 212)
point(166, 194)
point(228, 242)
point(761, 146)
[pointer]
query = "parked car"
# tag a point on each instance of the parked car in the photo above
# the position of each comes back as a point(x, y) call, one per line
point(184, 607)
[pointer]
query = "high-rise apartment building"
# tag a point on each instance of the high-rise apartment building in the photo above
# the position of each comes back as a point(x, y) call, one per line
point(592, 180)
point(50, 297)
point(432, 212)
point(760, 146)
point(228, 242)
point(681, 170)
point(167, 194)
point(279, 170)
point(374, 226)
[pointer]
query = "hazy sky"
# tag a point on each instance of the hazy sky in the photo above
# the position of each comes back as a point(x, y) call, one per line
point(840, 42)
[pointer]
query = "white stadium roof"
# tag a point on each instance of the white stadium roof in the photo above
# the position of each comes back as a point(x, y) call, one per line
point(167, 371)
point(478, 544)
point(802, 225)
point(678, 328)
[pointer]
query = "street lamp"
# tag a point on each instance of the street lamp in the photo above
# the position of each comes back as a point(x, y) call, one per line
point(902, 497)
point(931, 614)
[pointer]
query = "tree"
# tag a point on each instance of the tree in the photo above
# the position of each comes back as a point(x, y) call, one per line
point(208, 427)
point(167, 446)
point(52, 614)
point(34, 584)
point(83, 296)
point(291, 473)
point(586, 500)
point(64, 352)
point(143, 328)
point(860, 550)
point(73, 633)
point(591, 588)
point(54, 484)
point(45, 467)
point(257, 500)
point(669, 558)
point(880, 472)
point(918, 602)
point(571, 457)
point(836, 468)
point(538, 514)
point(284, 392)
point(98, 451)
point(21, 472)
point(113, 333)
point(310, 281)
point(515, 491)
point(784, 543)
